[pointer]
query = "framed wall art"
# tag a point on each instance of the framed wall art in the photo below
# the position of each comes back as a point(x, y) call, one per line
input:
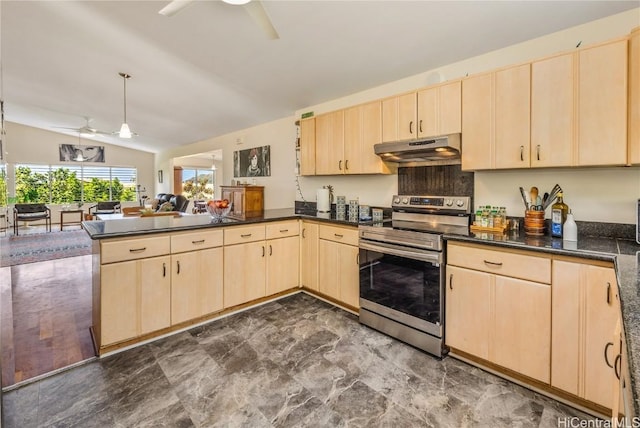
point(70, 152)
point(255, 162)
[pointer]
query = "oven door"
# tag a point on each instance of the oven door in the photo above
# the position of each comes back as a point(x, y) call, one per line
point(403, 284)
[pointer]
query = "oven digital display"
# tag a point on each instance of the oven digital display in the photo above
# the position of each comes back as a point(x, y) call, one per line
point(434, 202)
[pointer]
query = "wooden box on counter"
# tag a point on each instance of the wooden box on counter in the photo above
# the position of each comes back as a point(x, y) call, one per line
point(248, 201)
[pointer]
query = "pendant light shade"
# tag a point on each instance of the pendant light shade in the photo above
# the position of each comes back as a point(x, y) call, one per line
point(79, 157)
point(125, 132)
point(213, 163)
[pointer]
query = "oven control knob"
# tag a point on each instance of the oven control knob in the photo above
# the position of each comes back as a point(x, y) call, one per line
point(396, 200)
point(405, 200)
point(448, 202)
point(460, 203)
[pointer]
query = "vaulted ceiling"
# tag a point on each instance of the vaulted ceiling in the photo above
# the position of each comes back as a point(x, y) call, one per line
point(209, 69)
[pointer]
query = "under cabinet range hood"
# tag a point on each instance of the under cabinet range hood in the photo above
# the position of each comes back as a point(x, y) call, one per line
point(443, 148)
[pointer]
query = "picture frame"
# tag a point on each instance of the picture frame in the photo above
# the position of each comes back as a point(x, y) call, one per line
point(159, 176)
point(253, 162)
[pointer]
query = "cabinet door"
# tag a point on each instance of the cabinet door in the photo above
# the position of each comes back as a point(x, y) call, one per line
point(330, 143)
point(602, 105)
point(601, 315)
point(282, 264)
point(512, 117)
point(308, 146)
point(468, 311)
point(155, 294)
point(522, 335)
point(119, 302)
point(348, 275)
point(328, 268)
point(196, 284)
point(407, 116)
point(428, 112)
point(565, 333)
point(309, 250)
point(477, 122)
point(363, 129)
point(552, 111)
point(244, 273)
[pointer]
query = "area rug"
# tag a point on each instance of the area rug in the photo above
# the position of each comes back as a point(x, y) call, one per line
point(40, 247)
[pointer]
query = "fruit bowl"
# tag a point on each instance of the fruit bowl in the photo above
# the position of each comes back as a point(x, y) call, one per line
point(218, 213)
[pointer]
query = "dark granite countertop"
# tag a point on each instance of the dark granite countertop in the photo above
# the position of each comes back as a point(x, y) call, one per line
point(136, 226)
point(625, 253)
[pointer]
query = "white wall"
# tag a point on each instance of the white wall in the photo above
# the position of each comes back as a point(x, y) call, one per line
point(25, 144)
point(588, 191)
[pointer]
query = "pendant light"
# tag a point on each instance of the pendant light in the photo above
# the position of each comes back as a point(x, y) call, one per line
point(79, 157)
point(213, 163)
point(125, 132)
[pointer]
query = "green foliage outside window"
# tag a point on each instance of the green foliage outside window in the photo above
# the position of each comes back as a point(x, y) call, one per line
point(199, 187)
point(61, 185)
point(3, 187)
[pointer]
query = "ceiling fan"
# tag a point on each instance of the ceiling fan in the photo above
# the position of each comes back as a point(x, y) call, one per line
point(86, 130)
point(253, 7)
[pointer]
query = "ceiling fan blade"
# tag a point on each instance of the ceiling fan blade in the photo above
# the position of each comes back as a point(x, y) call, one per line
point(261, 17)
point(174, 7)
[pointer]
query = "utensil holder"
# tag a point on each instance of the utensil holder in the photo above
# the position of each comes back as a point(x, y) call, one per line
point(534, 223)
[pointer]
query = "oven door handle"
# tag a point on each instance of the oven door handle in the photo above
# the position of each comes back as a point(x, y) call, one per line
point(395, 250)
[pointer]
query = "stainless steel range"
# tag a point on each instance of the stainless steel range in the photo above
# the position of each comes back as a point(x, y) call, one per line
point(402, 268)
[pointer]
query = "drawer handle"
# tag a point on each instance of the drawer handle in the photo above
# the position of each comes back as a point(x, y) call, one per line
point(263, 251)
point(245, 235)
point(178, 263)
point(198, 242)
point(606, 358)
point(521, 153)
point(617, 365)
point(538, 151)
point(493, 263)
point(337, 235)
point(608, 293)
point(346, 165)
point(450, 281)
point(358, 259)
point(340, 165)
point(411, 127)
point(420, 126)
point(284, 230)
point(303, 233)
point(270, 250)
point(137, 250)
point(164, 270)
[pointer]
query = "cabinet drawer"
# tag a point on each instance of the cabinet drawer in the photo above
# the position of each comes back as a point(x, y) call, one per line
point(339, 234)
point(196, 241)
point(516, 265)
point(239, 235)
point(131, 249)
point(282, 229)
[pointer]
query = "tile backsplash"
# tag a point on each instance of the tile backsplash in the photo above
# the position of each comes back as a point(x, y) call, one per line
point(447, 180)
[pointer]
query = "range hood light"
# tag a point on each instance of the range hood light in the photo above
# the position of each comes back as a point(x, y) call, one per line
point(444, 147)
point(441, 149)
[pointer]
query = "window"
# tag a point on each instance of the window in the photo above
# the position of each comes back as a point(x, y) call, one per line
point(3, 186)
point(198, 183)
point(64, 184)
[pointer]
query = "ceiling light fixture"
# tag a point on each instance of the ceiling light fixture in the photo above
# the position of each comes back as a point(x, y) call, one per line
point(125, 132)
point(237, 2)
point(213, 162)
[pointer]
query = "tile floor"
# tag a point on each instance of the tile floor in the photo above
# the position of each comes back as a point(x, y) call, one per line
point(294, 362)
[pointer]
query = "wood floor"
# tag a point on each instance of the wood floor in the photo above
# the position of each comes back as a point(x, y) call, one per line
point(45, 312)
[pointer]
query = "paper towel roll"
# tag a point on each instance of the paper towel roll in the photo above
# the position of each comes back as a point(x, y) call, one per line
point(322, 201)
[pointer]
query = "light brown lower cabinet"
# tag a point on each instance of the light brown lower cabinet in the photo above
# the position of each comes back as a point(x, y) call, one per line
point(338, 275)
point(282, 264)
point(135, 298)
point(309, 255)
point(196, 284)
point(245, 273)
point(585, 312)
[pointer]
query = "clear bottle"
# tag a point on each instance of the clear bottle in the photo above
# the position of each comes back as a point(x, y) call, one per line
point(559, 212)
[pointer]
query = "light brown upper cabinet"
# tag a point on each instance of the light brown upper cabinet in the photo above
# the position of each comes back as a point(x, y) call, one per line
point(634, 97)
point(427, 113)
point(363, 129)
point(496, 119)
point(329, 143)
point(602, 104)
point(308, 146)
point(345, 139)
point(579, 107)
point(552, 118)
